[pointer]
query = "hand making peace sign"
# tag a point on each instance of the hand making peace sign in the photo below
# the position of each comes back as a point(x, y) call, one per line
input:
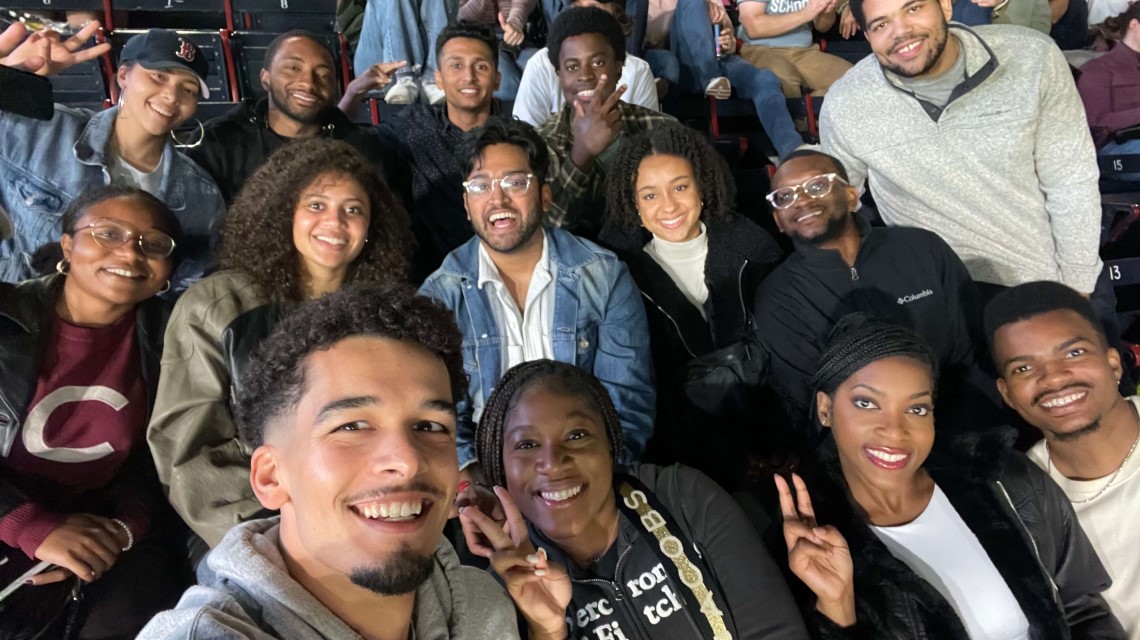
point(46, 52)
point(817, 555)
point(596, 123)
point(540, 589)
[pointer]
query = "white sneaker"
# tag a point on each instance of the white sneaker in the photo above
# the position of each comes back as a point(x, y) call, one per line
point(404, 91)
point(432, 93)
point(719, 88)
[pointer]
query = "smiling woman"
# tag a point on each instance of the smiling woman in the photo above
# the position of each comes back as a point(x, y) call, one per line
point(314, 218)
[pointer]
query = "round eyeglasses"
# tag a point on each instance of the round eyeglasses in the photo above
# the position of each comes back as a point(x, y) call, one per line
point(814, 187)
point(111, 235)
point(512, 184)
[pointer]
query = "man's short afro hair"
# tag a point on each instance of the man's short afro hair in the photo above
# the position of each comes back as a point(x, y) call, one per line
point(1033, 299)
point(576, 21)
point(275, 378)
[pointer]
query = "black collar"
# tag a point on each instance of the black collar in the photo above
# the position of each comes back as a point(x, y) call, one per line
point(971, 81)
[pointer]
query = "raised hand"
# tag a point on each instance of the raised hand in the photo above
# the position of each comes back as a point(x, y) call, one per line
point(540, 589)
point(596, 123)
point(46, 52)
point(817, 555)
point(847, 24)
point(373, 78)
point(511, 35)
point(84, 545)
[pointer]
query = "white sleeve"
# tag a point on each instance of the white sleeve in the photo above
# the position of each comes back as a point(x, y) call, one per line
point(642, 91)
point(538, 90)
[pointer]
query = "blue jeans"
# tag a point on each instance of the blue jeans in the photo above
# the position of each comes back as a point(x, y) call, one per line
point(512, 69)
point(1126, 148)
point(691, 63)
point(971, 14)
point(403, 30)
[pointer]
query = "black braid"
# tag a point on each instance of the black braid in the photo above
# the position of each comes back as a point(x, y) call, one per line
point(858, 340)
point(565, 378)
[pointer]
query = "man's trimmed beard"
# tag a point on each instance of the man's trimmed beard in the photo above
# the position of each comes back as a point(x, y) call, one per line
point(403, 573)
point(280, 99)
point(1078, 434)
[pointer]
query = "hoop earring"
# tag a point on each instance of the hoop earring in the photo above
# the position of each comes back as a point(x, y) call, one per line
point(190, 145)
point(164, 289)
point(63, 267)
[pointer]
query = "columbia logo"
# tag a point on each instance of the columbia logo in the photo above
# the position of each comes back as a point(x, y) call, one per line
point(916, 296)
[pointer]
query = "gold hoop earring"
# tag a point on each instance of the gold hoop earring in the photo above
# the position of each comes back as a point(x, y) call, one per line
point(63, 267)
point(164, 289)
point(190, 145)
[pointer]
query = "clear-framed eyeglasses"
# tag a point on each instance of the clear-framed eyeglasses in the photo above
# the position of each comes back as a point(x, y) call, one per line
point(512, 184)
point(111, 234)
point(814, 187)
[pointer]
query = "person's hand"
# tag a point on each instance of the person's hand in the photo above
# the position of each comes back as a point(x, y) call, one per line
point(84, 545)
point(847, 25)
point(717, 14)
point(482, 498)
point(596, 123)
point(817, 555)
point(375, 77)
point(815, 7)
point(46, 52)
point(727, 42)
point(511, 35)
point(989, 4)
point(540, 589)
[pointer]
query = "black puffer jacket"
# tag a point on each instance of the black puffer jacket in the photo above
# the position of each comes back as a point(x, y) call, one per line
point(740, 256)
point(1020, 517)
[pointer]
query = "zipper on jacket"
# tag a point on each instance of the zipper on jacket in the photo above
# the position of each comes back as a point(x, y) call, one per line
point(1036, 551)
point(854, 274)
point(675, 325)
point(629, 613)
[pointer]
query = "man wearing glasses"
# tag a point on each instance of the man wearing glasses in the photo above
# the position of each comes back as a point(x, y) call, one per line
point(522, 292)
point(841, 265)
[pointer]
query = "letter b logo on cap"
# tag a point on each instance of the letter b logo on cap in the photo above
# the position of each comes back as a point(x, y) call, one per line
point(186, 50)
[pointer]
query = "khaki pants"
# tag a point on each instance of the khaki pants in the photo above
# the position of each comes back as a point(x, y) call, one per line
point(798, 68)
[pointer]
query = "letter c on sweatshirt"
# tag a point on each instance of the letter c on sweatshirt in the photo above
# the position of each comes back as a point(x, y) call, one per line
point(38, 417)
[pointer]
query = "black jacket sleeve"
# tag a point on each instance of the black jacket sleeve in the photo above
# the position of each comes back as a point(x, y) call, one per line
point(25, 94)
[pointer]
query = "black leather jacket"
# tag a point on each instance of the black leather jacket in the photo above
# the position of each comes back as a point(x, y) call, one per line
point(1021, 518)
point(25, 312)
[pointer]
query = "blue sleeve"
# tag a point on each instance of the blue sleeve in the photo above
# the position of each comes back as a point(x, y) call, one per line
point(971, 14)
point(464, 424)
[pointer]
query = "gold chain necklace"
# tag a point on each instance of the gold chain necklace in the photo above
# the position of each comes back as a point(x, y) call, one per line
point(1123, 463)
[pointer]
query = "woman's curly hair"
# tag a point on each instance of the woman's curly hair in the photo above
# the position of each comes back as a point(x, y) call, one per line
point(257, 238)
point(714, 180)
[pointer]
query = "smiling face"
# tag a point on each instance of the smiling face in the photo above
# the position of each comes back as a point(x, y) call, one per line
point(506, 222)
point(814, 220)
point(122, 276)
point(330, 224)
point(668, 198)
point(364, 469)
point(158, 100)
point(467, 74)
point(1057, 372)
point(882, 418)
point(300, 80)
point(558, 463)
point(581, 61)
point(909, 37)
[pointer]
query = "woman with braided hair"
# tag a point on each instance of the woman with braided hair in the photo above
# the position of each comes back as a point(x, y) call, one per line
point(605, 547)
point(955, 537)
point(697, 264)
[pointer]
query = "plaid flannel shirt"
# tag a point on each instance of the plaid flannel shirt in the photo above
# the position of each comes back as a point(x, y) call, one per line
point(577, 192)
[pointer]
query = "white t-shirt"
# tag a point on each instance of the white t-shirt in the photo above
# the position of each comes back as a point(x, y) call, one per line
point(685, 264)
point(942, 550)
point(123, 174)
point(1112, 525)
point(540, 94)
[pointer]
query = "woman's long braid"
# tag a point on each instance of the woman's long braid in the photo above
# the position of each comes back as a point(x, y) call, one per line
point(565, 378)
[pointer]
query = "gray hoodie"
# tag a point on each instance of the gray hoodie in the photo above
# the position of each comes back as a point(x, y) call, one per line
point(245, 591)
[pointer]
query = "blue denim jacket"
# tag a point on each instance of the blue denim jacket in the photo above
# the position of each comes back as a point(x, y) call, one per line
point(599, 325)
point(45, 165)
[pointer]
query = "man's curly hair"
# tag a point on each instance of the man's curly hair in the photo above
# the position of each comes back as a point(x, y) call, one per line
point(714, 180)
point(275, 379)
point(577, 21)
point(257, 238)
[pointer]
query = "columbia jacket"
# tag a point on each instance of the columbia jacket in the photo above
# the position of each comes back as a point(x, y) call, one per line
point(640, 598)
point(46, 165)
point(245, 591)
point(599, 325)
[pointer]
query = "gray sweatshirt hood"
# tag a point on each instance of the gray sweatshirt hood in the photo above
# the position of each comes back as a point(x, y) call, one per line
point(245, 591)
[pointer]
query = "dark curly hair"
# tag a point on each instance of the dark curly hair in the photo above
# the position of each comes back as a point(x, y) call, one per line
point(275, 379)
point(472, 31)
point(559, 376)
point(576, 21)
point(257, 238)
point(1033, 299)
point(714, 180)
point(502, 130)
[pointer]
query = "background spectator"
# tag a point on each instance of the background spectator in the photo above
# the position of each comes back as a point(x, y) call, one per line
point(1110, 85)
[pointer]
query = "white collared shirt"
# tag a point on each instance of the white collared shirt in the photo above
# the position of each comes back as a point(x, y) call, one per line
point(523, 335)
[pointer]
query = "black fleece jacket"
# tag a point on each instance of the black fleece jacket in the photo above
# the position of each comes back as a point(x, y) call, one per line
point(237, 144)
point(1019, 515)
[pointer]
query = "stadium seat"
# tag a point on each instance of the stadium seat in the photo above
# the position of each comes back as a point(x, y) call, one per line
point(279, 16)
point(196, 6)
point(852, 50)
point(1119, 174)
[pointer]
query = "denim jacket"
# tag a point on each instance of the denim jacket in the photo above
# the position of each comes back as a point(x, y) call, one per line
point(599, 325)
point(42, 170)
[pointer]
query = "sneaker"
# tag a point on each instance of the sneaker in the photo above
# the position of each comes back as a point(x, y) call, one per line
point(404, 91)
point(432, 93)
point(719, 88)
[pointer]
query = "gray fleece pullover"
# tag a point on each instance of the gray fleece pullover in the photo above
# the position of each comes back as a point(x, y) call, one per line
point(245, 591)
point(1006, 173)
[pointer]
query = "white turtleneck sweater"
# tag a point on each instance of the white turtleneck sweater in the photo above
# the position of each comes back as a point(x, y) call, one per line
point(685, 264)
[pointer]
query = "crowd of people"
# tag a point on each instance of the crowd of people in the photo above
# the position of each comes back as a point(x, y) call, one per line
point(474, 374)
